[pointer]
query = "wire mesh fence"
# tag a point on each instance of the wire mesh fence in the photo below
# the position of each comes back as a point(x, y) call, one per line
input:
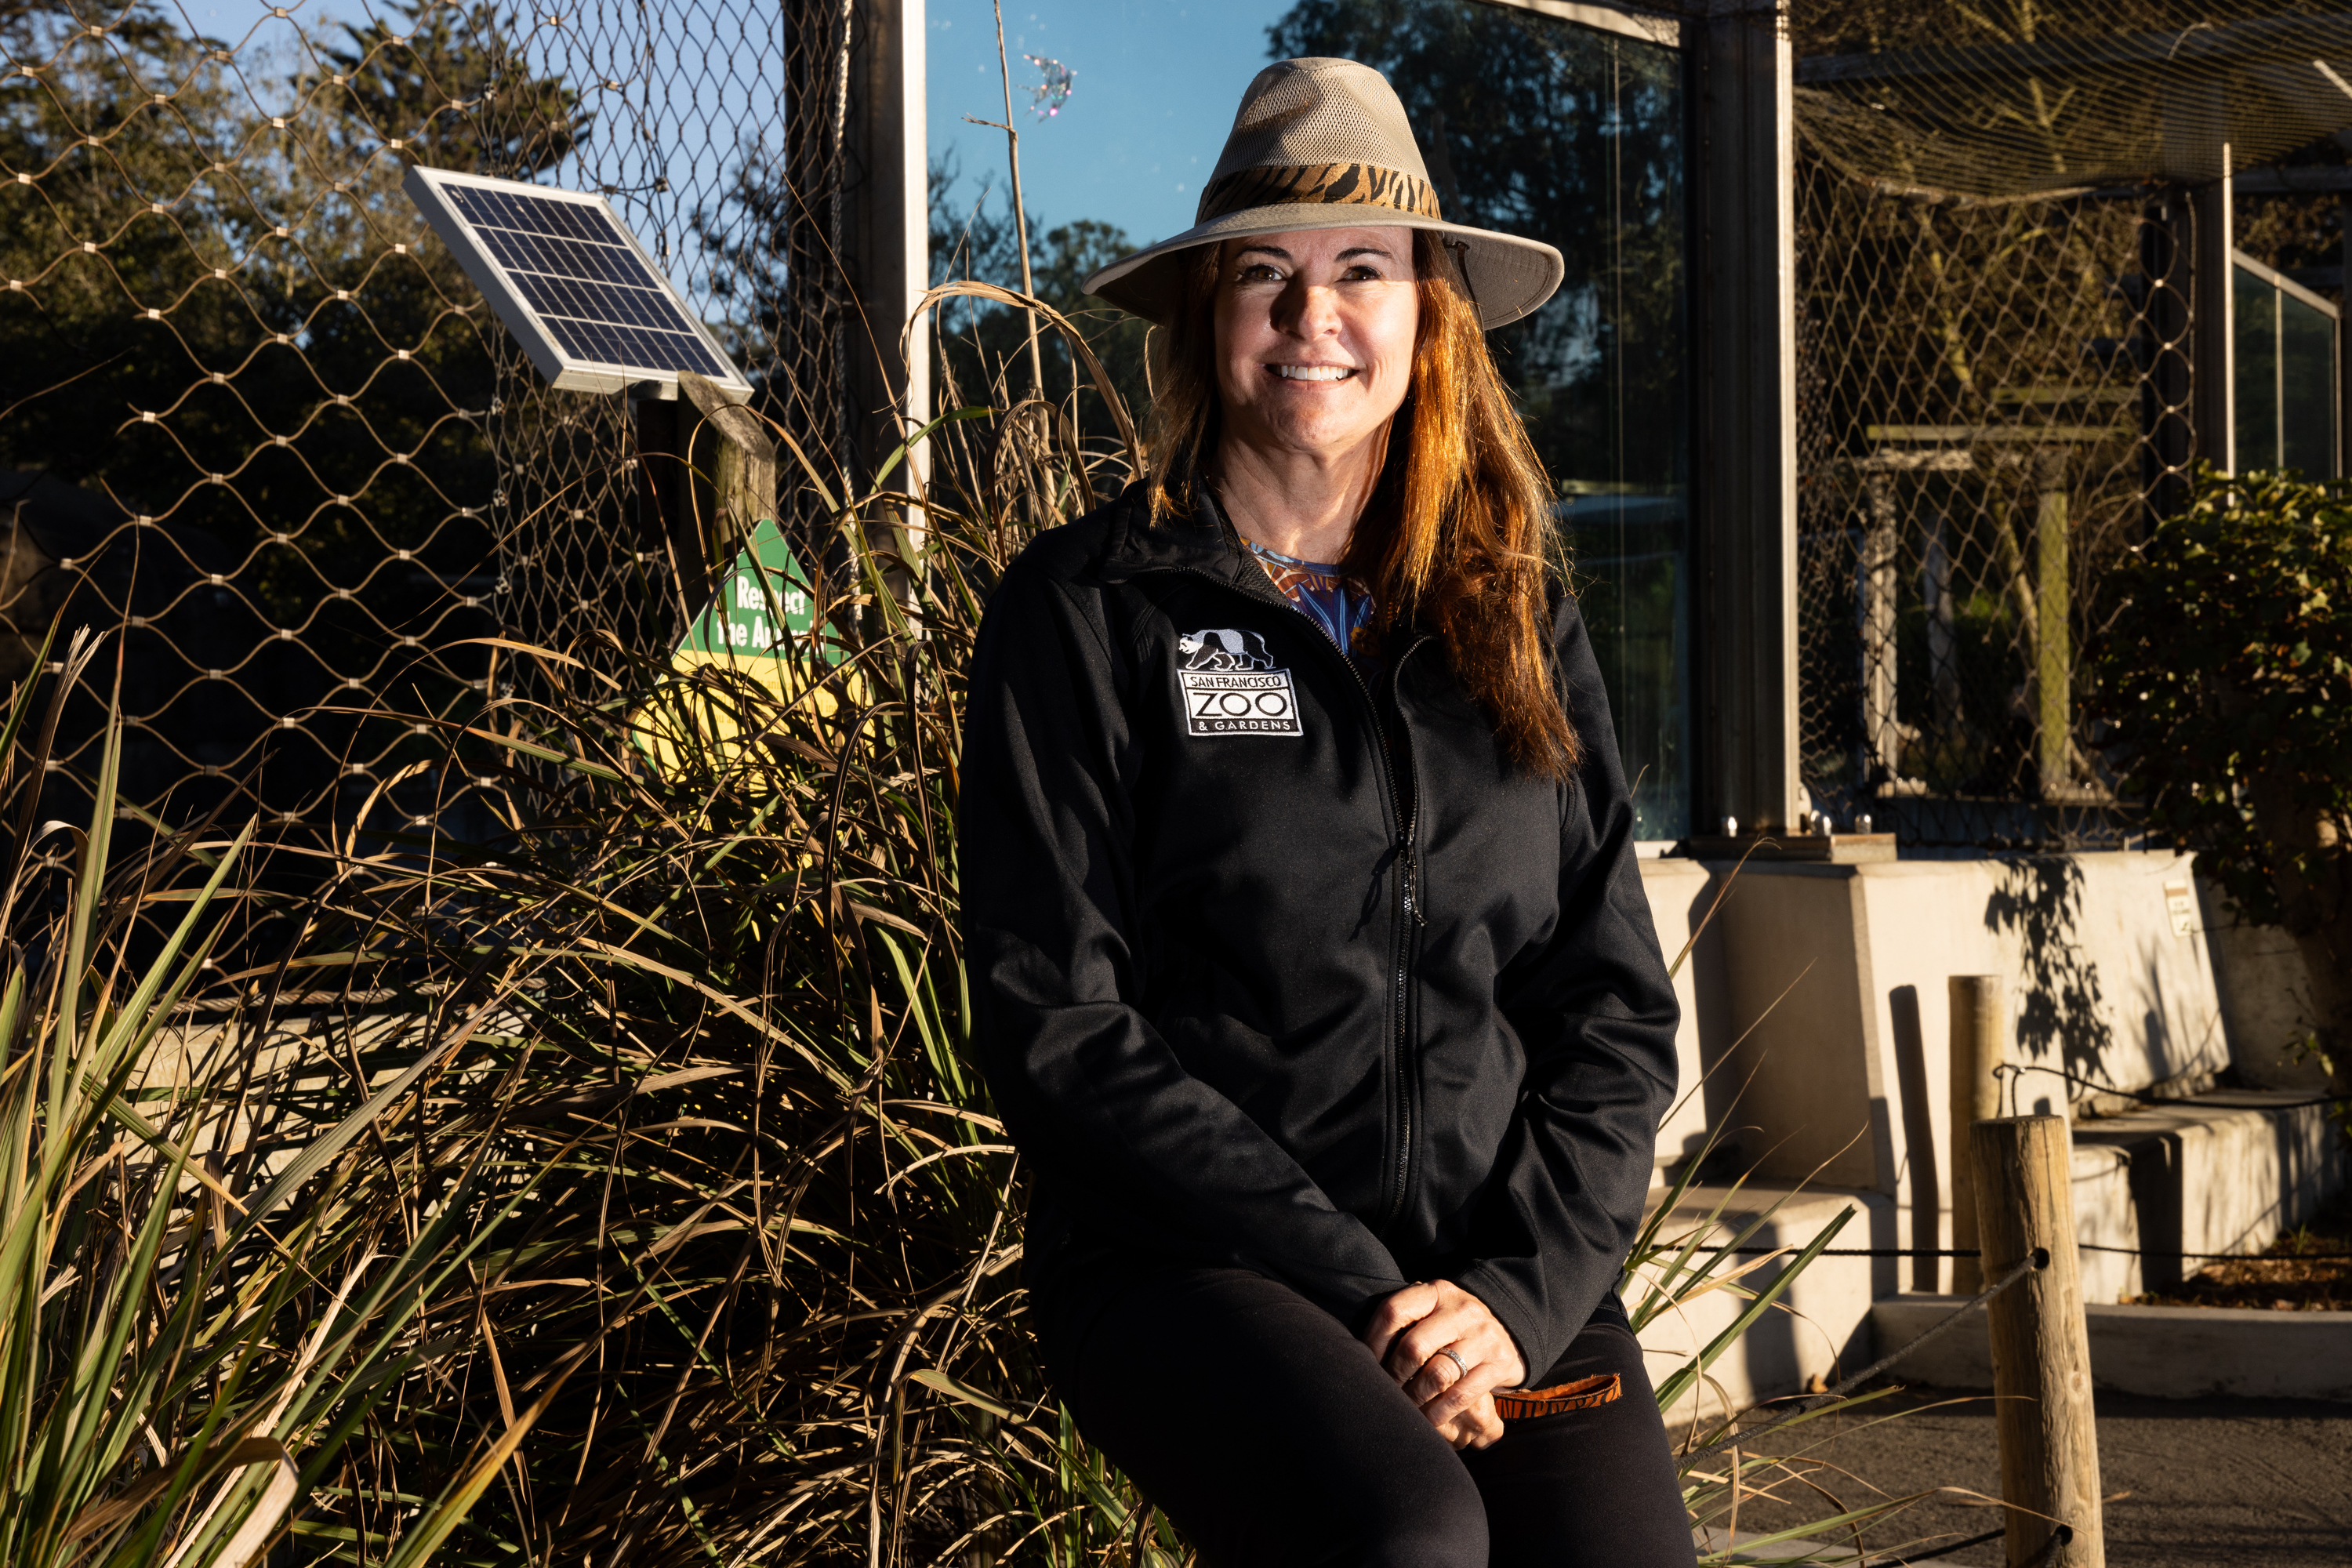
point(257, 422)
point(1998, 378)
point(1995, 401)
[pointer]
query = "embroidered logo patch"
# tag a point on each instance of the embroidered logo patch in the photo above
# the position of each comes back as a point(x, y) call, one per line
point(1231, 685)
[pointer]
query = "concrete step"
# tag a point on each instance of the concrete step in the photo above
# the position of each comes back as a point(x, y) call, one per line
point(2225, 1175)
point(2171, 1353)
point(1823, 1319)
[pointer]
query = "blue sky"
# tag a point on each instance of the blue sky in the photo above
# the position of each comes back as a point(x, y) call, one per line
point(1157, 81)
point(1157, 84)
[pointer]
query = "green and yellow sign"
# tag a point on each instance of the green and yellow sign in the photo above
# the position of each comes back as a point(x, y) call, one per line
point(762, 608)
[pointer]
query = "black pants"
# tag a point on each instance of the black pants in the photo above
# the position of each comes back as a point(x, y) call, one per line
point(1270, 1435)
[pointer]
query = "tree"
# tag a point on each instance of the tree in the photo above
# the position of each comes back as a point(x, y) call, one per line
point(109, 210)
point(2228, 679)
point(981, 346)
point(230, 320)
point(253, 272)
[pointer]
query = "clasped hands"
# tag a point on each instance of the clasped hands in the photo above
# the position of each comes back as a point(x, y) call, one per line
point(1411, 1327)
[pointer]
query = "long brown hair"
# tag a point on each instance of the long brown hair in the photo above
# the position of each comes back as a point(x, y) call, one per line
point(1453, 537)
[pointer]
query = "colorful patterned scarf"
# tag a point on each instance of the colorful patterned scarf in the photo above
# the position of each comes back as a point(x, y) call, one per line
point(1332, 602)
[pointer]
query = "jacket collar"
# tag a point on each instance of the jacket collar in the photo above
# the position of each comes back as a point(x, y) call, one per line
point(1205, 541)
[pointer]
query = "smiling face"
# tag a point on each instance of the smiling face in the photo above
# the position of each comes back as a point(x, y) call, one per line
point(1314, 333)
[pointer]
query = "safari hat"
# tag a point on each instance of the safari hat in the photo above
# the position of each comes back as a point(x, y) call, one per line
point(1324, 143)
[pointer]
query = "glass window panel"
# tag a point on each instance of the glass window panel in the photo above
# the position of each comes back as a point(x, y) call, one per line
point(1539, 127)
point(2308, 384)
point(2255, 340)
point(1603, 371)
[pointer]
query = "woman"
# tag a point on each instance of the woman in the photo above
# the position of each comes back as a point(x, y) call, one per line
point(1311, 964)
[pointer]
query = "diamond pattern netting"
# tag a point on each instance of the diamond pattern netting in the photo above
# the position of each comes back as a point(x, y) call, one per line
point(258, 424)
point(260, 428)
point(1994, 402)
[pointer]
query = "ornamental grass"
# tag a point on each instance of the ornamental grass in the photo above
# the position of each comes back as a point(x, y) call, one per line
point(614, 1190)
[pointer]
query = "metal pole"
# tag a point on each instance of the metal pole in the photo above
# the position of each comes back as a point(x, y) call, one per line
point(2343, 349)
point(1744, 208)
point(890, 391)
point(2041, 1344)
point(2214, 362)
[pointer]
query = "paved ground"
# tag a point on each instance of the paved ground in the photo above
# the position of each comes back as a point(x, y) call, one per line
point(2210, 1481)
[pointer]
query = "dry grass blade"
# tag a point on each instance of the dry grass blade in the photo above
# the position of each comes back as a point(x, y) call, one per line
point(659, 1119)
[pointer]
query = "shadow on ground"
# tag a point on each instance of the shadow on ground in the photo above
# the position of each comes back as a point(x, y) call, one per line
point(2211, 1481)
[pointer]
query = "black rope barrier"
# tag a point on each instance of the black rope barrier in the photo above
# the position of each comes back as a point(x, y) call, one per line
point(1849, 1251)
point(1988, 1537)
point(2220, 1257)
point(2050, 1548)
point(2014, 1070)
point(1808, 1404)
point(2079, 1247)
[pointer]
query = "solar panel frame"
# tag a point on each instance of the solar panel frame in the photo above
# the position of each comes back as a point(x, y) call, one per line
point(506, 235)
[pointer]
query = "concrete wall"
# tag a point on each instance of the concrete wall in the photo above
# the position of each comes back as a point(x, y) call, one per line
point(1680, 891)
point(1816, 1028)
point(1821, 1005)
point(2265, 996)
point(2171, 1353)
point(1819, 1328)
point(2226, 1174)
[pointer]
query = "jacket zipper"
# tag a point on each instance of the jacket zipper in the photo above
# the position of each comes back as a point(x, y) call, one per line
point(1409, 901)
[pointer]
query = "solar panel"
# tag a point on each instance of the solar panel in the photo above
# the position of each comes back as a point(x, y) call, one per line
point(571, 283)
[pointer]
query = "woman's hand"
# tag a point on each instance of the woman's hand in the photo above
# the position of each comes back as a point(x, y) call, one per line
point(1411, 1326)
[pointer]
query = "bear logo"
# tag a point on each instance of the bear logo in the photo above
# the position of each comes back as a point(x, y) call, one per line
point(1231, 685)
point(1223, 648)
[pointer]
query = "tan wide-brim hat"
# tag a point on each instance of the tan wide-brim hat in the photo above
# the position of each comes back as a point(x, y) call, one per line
point(1323, 143)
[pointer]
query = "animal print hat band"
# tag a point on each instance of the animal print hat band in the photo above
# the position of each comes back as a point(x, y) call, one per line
point(1324, 143)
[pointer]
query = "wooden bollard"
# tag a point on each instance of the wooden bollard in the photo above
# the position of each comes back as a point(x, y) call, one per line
point(1979, 1036)
point(2041, 1345)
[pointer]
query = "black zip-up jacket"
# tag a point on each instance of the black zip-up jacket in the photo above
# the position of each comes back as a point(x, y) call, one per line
point(1278, 967)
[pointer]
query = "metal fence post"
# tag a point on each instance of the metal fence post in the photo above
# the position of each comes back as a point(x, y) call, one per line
point(1744, 215)
point(1977, 1048)
point(2041, 1345)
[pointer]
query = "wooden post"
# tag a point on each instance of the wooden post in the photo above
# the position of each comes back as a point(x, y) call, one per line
point(2041, 1346)
point(2053, 651)
point(742, 472)
point(1881, 545)
point(732, 488)
point(1979, 1045)
point(1943, 633)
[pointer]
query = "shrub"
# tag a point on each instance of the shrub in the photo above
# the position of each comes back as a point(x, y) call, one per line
point(641, 1208)
point(2227, 680)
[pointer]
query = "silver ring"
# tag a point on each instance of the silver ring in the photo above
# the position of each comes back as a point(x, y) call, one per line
point(1460, 1367)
